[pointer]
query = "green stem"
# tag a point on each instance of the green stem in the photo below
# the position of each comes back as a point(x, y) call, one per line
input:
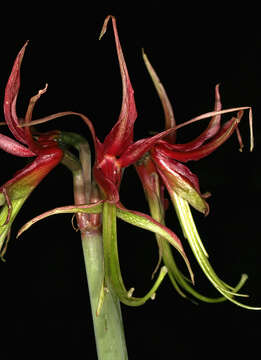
point(108, 325)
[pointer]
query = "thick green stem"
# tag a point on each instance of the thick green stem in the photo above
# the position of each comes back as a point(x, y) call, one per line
point(108, 325)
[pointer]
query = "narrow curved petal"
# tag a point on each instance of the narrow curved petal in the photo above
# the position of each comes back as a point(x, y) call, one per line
point(28, 117)
point(136, 150)
point(167, 164)
point(121, 134)
point(180, 282)
point(13, 147)
point(215, 113)
point(214, 124)
point(173, 151)
point(210, 131)
point(16, 191)
point(31, 175)
point(72, 209)
point(11, 93)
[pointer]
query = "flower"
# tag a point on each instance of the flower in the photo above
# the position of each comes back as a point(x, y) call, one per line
point(118, 149)
point(162, 168)
point(43, 147)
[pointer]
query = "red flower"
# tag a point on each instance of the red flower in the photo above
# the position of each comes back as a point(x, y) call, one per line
point(168, 156)
point(118, 150)
point(42, 146)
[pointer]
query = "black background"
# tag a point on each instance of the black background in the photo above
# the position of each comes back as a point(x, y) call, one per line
point(44, 298)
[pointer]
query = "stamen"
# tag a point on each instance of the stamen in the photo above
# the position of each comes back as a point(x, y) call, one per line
point(239, 138)
point(158, 264)
point(75, 227)
point(153, 296)
point(251, 129)
point(32, 102)
point(130, 292)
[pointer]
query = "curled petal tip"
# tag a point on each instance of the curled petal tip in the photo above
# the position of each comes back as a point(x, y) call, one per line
point(40, 92)
point(104, 27)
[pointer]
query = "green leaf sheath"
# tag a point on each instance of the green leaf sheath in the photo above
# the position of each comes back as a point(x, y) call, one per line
point(106, 312)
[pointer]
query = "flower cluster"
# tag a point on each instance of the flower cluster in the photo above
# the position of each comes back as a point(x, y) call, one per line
point(159, 161)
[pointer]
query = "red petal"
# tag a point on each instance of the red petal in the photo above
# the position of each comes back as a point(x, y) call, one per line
point(151, 181)
point(214, 124)
point(211, 130)
point(29, 177)
point(107, 187)
point(136, 150)
point(173, 151)
point(11, 92)
point(171, 165)
point(139, 148)
point(13, 147)
point(121, 134)
point(147, 172)
point(177, 177)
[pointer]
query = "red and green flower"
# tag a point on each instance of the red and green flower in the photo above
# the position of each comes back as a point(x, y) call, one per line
point(42, 147)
